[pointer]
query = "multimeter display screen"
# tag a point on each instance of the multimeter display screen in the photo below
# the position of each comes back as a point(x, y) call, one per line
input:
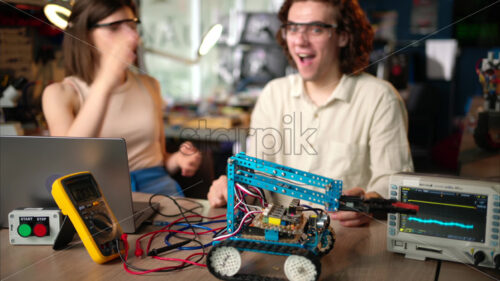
point(82, 189)
point(453, 215)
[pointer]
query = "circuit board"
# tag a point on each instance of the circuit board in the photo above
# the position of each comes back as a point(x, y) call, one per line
point(288, 221)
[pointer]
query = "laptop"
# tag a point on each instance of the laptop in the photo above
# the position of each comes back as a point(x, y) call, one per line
point(29, 165)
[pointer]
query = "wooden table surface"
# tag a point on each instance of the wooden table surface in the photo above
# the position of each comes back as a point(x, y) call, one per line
point(452, 271)
point(358, 254)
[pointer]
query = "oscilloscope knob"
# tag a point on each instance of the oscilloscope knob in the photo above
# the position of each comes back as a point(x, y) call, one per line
point(496, 260)
point(479, 256)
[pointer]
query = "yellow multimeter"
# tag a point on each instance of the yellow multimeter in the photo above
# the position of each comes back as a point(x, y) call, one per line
point(80, 198)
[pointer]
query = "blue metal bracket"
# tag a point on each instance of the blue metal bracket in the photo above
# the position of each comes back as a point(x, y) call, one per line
point(280, 179)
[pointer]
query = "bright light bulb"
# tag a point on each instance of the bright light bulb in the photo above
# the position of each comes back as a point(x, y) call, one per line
point(58, 15)
point(210, 39)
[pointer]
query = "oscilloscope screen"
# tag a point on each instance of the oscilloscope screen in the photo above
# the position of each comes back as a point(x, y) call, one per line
point(453, 215)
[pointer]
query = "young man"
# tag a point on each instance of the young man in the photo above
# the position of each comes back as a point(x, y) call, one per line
point(330, 118)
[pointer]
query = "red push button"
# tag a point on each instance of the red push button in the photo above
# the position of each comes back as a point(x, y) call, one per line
point(40, 230)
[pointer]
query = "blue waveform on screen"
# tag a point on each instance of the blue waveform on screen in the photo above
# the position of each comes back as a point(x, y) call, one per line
point(443, 223)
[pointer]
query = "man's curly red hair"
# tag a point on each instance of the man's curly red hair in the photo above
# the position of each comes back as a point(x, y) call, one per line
point(352, 20)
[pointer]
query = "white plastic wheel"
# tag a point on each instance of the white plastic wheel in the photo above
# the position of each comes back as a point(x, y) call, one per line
point(298, 268)
point(226, 260)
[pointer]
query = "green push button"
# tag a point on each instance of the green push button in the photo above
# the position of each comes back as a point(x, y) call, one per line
point(24, 230)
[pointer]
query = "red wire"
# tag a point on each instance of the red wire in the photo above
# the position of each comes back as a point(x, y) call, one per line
point(154, 233)
point(184, 261)
point(162, 230)
point(126, 245)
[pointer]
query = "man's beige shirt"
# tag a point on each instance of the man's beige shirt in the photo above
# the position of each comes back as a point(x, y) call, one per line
point(358, 136)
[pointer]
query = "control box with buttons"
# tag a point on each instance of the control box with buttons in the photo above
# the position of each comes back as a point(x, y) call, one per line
point(81, 199)
point(34, 226)
point(458, 219)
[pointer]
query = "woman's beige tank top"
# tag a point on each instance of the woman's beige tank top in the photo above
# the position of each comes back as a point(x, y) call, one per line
point(135, 114)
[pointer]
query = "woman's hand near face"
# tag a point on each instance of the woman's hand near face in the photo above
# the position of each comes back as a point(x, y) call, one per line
point(116, 57)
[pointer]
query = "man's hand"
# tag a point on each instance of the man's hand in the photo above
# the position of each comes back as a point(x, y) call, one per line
point(347, 218)
point(217, 195)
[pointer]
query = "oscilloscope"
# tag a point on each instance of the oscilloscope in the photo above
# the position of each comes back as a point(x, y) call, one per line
point(458, 219)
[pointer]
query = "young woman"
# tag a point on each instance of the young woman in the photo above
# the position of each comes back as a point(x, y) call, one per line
point(102, 97)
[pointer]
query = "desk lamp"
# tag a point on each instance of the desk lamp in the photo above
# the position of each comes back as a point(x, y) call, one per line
point(58, 11)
